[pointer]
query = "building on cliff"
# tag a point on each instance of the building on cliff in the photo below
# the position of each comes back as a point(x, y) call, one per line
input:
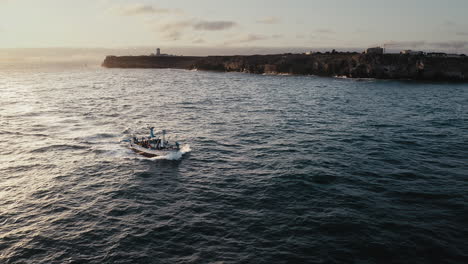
point(455, 56)
point(437, 54)
point(375, 50)
point(159, 54)
point(412, 52)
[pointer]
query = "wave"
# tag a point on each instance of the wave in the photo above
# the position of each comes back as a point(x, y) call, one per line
point(58, 147)
point(99, 138)
point(277, 74)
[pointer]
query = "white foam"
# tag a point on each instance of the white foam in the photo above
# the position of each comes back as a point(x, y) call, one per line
point(185, 149)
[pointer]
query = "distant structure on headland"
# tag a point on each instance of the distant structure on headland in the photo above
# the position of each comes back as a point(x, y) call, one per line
point(159, 54)
point(445, 55)
point(431, 54)
point(380, 50)
point(375, 50)
point(412, 52)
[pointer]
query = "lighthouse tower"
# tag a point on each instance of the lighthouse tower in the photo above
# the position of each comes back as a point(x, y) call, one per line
point(158, 52)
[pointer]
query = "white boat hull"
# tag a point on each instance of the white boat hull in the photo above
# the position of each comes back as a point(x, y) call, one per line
point(152, 152)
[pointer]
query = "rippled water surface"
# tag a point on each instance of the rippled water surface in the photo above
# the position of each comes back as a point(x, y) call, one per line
point(282, 169)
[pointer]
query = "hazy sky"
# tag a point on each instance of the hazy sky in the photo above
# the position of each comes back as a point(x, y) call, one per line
point(428, 24)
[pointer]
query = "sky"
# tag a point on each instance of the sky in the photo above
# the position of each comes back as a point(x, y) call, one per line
point(342, 24)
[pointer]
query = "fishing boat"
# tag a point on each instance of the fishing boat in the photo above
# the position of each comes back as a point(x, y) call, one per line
point(153, 146)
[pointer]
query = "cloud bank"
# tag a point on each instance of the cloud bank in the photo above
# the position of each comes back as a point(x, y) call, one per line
point(269, 20)
point(249, 38)
point(177, 29)
point(141, 9)
point(422, 44)
point(214, 25)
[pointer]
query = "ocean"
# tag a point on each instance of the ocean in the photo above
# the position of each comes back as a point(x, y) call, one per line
point(275, 169)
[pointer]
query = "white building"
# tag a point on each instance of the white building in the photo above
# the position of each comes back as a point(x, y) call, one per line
point(412, 52)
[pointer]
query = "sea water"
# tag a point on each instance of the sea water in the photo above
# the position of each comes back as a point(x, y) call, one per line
point(277, 169)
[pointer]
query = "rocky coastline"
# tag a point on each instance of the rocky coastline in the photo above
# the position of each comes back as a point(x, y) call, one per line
point(350, 65)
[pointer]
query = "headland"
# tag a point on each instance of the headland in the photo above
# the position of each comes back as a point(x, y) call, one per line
point(370, 64)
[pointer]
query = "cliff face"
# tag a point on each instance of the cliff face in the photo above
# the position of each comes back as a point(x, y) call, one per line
point(388, 66)
point(176, 62)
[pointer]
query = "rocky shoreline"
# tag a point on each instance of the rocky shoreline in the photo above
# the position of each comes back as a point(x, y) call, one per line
point(350, 65)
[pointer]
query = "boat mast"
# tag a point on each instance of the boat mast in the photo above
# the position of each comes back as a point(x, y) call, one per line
point(163, 138)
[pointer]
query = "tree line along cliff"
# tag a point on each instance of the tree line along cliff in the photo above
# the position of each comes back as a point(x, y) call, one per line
point(351, 65)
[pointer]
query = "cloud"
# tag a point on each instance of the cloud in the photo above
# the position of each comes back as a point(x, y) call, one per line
point(251, 38)
point(248, 38)
point(462, 33)
point(362, 31)
point(422, 44)
point(308, 36)
point(178, 25)
point(300, 36)
point(214, 25)
point(174, 30)
point(451, 44)
point(172, 35)
point(198, 41)
point(449, 23)
point(406, 44)
point(141, 9)
point(269, 20)
point(324, 31)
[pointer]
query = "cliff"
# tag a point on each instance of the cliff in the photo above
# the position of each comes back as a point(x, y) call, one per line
point(176, 62)
point(352, 65)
